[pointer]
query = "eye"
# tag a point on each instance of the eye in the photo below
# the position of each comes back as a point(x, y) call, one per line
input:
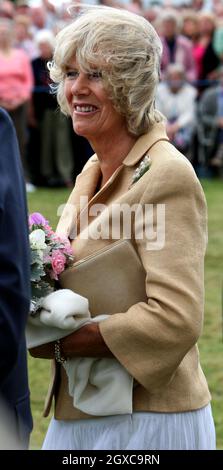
point(71, 74)
point(95, 75)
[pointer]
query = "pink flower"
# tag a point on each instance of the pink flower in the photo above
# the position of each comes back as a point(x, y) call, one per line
point(67, 249)
point(58, 261)
point(49, 231)
point(37, 219)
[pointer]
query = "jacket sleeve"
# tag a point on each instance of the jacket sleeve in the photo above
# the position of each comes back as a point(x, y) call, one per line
point(151, 339)
point(14, 250)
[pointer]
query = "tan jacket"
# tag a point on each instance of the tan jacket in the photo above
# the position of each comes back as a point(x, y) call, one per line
point(155, 341)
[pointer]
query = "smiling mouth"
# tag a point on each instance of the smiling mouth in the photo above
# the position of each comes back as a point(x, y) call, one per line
point(85, 109)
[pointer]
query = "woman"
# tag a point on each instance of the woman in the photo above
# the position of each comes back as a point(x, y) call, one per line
point(207, 61)
point(56, 159)
point(176, 47)
point(16, 82)
point(176, 100)
point(106, 64)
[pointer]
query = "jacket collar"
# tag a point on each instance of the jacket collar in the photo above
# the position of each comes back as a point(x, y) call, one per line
point(144, 143)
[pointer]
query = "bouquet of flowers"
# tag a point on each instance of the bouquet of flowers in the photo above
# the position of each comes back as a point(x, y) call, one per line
point(50, 256)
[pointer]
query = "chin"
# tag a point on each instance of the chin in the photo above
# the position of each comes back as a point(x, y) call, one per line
point(82, 131)
point(79, 131)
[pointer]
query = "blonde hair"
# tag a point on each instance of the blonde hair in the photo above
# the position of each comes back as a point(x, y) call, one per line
point(126, 49)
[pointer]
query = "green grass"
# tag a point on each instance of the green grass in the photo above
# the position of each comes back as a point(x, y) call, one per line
point(211, 342)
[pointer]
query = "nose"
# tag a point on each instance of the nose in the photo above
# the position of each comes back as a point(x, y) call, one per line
point(80, 85)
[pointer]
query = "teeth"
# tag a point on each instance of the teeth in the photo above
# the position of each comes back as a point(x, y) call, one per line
point(85, 109)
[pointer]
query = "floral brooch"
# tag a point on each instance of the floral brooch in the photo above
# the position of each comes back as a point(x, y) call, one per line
point(141, 169)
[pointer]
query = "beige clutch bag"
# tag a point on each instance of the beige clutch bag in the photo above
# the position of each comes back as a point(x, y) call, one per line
point(113, 279)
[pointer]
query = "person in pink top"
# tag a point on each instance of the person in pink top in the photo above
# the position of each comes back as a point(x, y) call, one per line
point(176, 48)
point(16, 83)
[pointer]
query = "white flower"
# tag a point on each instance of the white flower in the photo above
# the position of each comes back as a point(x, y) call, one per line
point(141, 169)
point(37, 240)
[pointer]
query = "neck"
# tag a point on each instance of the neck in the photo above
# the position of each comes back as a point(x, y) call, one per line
point(112, 151)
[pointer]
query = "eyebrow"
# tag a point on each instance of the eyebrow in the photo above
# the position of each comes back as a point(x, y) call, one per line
point(68, 67)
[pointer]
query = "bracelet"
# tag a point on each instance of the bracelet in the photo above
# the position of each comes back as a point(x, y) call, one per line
point(57, 352)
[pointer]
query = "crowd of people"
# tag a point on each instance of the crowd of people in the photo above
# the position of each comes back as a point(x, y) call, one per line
point(189, 95)
point(148, 317)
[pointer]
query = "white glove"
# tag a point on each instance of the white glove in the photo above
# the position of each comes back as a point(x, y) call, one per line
point(64, 309)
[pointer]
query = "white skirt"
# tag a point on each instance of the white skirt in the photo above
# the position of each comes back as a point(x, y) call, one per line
point(193, 430)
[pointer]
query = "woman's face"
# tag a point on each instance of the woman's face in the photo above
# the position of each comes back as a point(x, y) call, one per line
point(92, 112)
point(206, 26)
point(169, 28)
point(190, 27)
